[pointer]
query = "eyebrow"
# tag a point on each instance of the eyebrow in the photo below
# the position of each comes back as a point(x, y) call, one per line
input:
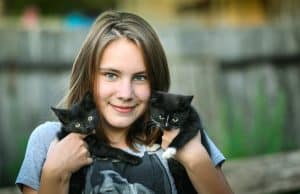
point(141, 72)
point(109, 69)
point(117, 71)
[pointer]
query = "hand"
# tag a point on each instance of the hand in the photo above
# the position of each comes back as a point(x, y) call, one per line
point(168, 137)
point(192, 152)
point(200, 169)
point(189, 152)
point(68, 155)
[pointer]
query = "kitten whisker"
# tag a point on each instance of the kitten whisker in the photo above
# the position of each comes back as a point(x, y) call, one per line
point(157, 124)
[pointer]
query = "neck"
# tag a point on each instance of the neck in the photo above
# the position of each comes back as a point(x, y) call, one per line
point(116, 137)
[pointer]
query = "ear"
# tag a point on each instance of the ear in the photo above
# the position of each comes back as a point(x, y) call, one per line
point(87, 100)
point(186, 101)
point(88, 95)
point(189, 99)
point(155, 97)
point(62, 114)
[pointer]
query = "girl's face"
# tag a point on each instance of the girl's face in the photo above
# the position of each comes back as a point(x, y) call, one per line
point(122, 86)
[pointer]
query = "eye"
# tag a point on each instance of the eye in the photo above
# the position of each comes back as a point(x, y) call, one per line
point(77, 125)
point(175, 119)
point(90, 118)
point(160, 117)
point(140, 78)
point(110, 76)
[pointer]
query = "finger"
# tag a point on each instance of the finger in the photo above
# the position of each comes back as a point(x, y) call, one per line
point(197, 137)
point(52, 145)
point(87, 157)
point(53, 142)
point(79, 135)
point(85, 153)
point(91, 133)
point(89, 160)
point(170, 134)
point(168, 137)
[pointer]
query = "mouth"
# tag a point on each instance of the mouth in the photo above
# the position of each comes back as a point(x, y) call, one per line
point(123, 109)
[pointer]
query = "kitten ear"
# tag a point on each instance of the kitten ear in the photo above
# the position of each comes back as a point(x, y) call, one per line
point(87, 100)
point(61, 114)
point(88, 95)
point(189, 99)
point(186, 101)
point(154, 97)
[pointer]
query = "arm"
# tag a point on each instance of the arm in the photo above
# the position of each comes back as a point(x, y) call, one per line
point(28, 190)
point(206, 178)
point(49, 184)
point(63, 158)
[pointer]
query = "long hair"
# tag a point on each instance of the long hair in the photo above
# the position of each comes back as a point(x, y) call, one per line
point(110, 26)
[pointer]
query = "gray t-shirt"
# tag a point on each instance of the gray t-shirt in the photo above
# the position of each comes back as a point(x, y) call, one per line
point(41, 138)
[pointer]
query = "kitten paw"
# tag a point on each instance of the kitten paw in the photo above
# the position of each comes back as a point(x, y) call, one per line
point(169, 153)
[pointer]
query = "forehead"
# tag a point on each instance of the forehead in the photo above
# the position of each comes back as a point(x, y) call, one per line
point(123, 55)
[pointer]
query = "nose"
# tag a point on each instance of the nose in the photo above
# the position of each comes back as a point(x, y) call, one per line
point(125, 90)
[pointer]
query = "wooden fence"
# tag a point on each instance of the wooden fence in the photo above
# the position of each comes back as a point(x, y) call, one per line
point(245, 82)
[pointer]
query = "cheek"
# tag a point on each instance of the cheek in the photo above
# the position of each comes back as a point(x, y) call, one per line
point(101, 91)
point(143, 93)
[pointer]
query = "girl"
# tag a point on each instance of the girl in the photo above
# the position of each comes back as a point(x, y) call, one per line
point(121, 61)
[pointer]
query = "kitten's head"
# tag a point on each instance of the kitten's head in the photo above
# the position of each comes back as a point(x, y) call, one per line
point(169, 111)
point(82, 117)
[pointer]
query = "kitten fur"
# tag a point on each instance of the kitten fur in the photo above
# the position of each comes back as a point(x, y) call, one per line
point(172, 111)
point(83, 117)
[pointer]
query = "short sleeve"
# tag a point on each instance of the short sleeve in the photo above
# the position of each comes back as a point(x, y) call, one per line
point(36, 151)
point(216, 155)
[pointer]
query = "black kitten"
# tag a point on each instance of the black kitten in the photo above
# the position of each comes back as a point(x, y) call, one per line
point(171, 111)
point(83, 117)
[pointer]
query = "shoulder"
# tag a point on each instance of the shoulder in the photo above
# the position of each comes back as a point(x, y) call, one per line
point(45, 133)
point(47, 128)
point(35, 154)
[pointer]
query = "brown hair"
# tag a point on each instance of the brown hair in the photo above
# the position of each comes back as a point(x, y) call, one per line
point(110, 26)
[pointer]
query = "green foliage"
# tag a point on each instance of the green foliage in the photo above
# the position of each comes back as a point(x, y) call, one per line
point(12, 168)
point(255, 132)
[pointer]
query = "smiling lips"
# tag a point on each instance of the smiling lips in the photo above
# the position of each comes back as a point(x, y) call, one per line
point(123, 109)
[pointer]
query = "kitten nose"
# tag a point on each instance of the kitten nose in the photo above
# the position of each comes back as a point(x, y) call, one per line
point(167, 123)
point(167, 127)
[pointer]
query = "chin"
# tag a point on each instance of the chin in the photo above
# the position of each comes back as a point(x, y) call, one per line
point(121, 124)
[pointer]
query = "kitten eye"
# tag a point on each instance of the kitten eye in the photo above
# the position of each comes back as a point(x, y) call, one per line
point(175, 119)
point(90, 118)
point(160, 117)
point(77, 125)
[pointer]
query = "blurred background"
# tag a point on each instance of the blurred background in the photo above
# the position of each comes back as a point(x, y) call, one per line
point(239, 58)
